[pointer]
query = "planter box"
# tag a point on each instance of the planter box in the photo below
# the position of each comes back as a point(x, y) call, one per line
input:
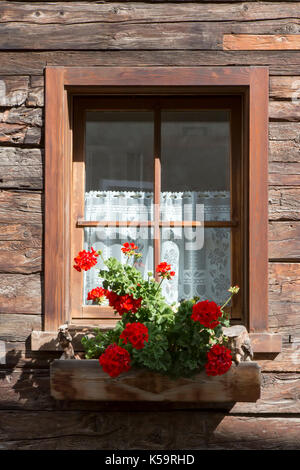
point(85, 380)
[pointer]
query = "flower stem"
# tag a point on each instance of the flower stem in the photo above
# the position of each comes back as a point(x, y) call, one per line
point(227, 301)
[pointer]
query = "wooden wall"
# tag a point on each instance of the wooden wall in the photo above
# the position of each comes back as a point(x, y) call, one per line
point(33, 35)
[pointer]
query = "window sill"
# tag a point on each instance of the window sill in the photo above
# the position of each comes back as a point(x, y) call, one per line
point(47, 340)
point(84, 380)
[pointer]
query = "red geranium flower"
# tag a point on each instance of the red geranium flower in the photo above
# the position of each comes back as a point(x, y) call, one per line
point(97, 294)
point(129, 248)
point(85, 260)
point(123, 303)
point(115, 360)
point(206, 313)
point(136, 334)
point(219, 360)
point(164, 270)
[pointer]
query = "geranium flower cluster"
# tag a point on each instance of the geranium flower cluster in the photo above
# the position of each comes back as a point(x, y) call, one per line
point(85, 260)
point(164, 271)
point(121, 346)
point(123, 303)
point(219, 360)
point(136, 334)
point(207, 313)
point(97, 295)
point(129, 249)
point(115, 360)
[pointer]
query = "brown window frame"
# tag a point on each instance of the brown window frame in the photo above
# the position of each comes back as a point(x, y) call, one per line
point(64, 83)
point(233, 104)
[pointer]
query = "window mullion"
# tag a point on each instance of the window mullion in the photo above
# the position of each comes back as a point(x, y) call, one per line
point(157, 184)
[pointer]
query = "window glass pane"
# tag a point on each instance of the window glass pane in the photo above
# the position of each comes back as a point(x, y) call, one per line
point(201, 260)
point(195, 155)
point(110, 241)
point(119, 151)
point(119, 185)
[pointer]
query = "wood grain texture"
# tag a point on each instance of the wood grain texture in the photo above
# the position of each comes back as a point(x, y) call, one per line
point(21, 168)
point(21, 256)
point(258, 201)
point(130, 12)
point(282, 63)
point(56, 193)
point(263, 42)
point(20, 294)
point(285, 87)
point(284, 173)
point(140, 26)
point(245, 432)
point(17, 327)
point(284, 240)
point(69, 379)
point(94, 430)
point(20, 207)
point(284, 111)
point(284, 203)
point(13, 90)
point(282, 151)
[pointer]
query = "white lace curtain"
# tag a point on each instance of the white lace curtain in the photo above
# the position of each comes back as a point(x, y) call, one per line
point(203, 272)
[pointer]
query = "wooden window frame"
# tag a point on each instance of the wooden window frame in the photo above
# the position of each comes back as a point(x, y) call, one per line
point(63, 83)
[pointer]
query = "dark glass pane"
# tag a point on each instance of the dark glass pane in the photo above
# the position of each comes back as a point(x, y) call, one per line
point(195, 154)
point(119, 151)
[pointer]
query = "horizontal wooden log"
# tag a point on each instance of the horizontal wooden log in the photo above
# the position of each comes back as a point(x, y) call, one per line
point(284, 240)
point(263, 42)
point(17, 327)
point(20, 207)
point(33, 62)
point(101, 35)
point(20, 294)
point(13, 90)
point(117, 12)
point(284, 203)
point(284, 173)
point(285, 87)
point(22, 115)
point(284, 111)
point(21, 168)
point(97, 430)
point(79, 430)
point(82, 380)
point(284, 152)
point(21, 256)
point(245, 432)
point(284, 297)
point(284, 131)
point(20, 134)
point(18, 232)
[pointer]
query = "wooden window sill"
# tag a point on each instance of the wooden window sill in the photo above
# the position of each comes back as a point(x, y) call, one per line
point(47, 340)
point(85, 380)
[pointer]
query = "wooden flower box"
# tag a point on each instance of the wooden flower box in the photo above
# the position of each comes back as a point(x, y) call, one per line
point(85, 380)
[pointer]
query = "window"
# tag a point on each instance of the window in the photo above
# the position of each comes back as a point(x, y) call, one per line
point(150, 170)
point(180, 96)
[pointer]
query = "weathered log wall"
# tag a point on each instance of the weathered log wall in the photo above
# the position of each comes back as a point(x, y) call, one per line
point(33, 35)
